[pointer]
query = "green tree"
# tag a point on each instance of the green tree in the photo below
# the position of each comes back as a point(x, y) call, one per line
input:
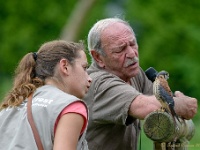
point(168, 36)
point(25, 24)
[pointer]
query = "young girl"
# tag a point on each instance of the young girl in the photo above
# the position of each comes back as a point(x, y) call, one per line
point(55, 79)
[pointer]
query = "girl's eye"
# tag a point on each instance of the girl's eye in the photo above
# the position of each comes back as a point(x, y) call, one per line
point(85, 67)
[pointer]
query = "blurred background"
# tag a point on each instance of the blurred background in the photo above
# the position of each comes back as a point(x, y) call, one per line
point(168, 34)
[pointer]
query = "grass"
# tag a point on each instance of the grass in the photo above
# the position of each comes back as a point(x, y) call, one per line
point(195, 141)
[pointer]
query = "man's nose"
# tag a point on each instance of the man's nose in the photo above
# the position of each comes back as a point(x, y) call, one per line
point(131, 52)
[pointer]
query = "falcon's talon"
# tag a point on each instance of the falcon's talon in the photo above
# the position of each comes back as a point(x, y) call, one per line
point(163, 109)
point(159, 110)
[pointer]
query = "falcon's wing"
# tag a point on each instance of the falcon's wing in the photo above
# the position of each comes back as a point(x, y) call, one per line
point(165, 96)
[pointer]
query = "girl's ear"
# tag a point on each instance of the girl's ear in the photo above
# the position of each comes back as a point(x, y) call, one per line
point(64, 66)
point(98, 58)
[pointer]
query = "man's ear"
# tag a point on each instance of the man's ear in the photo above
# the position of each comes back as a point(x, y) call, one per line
point(98, 58)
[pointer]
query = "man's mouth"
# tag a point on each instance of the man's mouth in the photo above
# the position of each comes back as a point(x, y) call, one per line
point(131, 62)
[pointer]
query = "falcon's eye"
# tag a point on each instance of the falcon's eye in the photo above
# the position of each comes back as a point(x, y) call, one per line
point(166, 76)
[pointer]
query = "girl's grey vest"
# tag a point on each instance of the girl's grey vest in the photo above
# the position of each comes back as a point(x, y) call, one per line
point(48, 102)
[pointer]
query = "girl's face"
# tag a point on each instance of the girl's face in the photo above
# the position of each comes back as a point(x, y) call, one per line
point(79, 81)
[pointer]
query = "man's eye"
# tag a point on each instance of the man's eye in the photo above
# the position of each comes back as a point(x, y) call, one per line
point(119, 50)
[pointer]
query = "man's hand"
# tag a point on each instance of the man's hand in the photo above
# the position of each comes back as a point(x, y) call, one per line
point(185, 106)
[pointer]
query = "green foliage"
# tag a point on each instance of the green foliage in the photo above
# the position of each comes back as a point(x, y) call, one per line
point(168, 36)
point(25, 24)
point(5, 86)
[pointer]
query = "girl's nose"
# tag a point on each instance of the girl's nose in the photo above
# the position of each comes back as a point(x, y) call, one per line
point(89, 79)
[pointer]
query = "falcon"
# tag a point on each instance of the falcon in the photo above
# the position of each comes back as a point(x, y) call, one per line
point(164, 94)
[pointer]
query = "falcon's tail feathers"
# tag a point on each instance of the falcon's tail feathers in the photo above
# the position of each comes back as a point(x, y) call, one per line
point(174, 113)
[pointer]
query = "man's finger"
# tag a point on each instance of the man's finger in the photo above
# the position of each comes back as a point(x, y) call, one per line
point(178, 94)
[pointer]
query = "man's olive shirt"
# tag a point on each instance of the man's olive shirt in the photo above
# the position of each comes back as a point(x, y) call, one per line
point(109, 99)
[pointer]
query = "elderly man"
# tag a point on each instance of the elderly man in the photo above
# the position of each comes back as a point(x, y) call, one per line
point(120, 94)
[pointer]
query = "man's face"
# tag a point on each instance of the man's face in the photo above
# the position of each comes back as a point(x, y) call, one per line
point(121, 49)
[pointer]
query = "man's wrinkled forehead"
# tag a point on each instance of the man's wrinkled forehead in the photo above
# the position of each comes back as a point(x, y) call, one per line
point(118, 33)
point(118, 43)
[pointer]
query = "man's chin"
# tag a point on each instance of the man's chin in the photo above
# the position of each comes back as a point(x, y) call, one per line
point(134, 72)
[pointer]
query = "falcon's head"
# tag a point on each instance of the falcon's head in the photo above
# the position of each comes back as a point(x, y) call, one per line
point(163, 74)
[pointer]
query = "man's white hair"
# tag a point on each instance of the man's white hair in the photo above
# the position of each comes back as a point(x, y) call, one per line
point(94, 36)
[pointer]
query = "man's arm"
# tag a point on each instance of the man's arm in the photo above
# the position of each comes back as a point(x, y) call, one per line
point(142, 105)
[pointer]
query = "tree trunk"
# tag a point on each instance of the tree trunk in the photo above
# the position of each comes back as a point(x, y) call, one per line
point(74, 23)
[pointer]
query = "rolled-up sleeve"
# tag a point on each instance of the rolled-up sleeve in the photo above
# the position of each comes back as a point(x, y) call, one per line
point(112, 99)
